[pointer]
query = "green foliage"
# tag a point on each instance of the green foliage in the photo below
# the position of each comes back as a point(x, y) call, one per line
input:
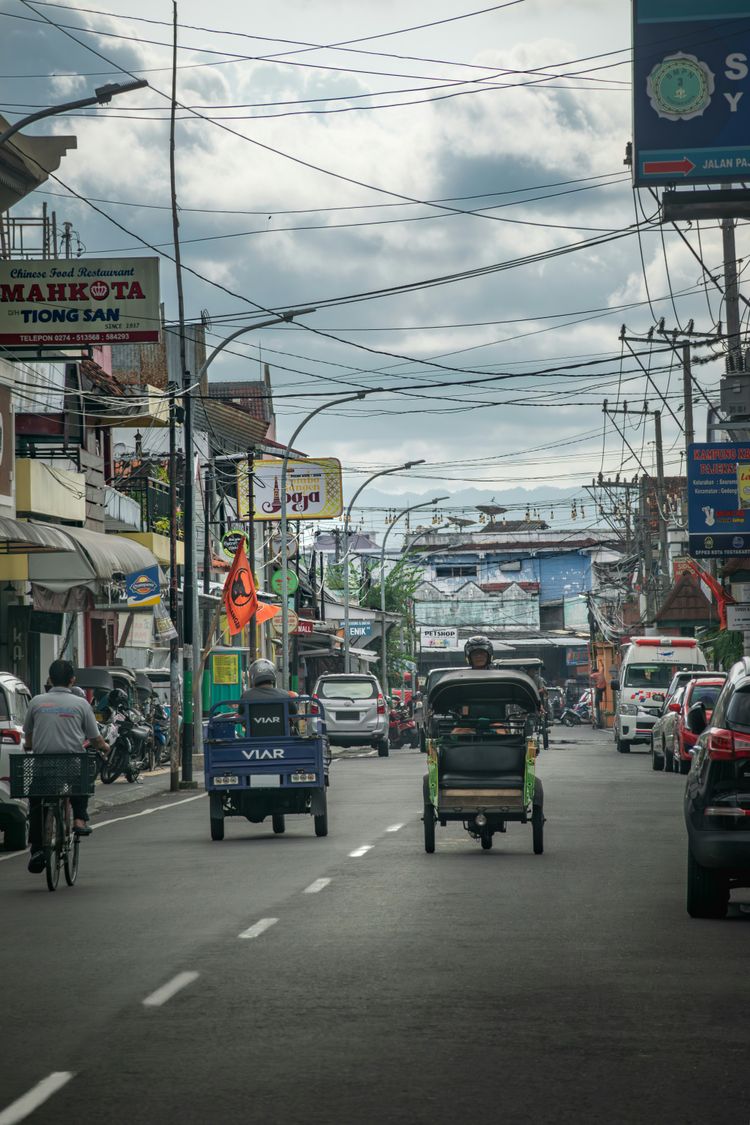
point(400, 586)
point(723, 647)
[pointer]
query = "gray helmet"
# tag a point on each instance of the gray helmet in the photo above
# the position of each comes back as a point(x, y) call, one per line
point(479, 643)
point(262, 672)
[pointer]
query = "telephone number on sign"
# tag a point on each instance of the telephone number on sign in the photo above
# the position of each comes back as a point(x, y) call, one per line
point(72, 338)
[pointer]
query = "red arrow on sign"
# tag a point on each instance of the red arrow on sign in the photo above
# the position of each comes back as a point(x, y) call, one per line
point(665, 167)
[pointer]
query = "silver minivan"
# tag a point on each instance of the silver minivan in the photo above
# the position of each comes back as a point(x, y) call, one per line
point(356, 712)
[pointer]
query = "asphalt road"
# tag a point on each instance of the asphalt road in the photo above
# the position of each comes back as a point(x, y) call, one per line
point(298, 980)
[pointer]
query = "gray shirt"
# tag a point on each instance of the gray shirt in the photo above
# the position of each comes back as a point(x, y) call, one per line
point(59, 722)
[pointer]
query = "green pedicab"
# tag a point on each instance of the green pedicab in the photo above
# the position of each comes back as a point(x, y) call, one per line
point(483, 738)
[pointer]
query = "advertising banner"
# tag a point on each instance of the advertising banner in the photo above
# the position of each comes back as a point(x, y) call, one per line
point(142, 587)
point(62, 303)
point(718, 521)
point(438, 638)
point(690, 80)
point(313, 492)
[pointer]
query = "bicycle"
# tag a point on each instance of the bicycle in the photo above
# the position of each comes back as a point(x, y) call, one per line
point(55, 778)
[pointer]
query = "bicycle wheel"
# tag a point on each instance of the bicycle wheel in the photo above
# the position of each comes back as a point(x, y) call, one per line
point(53, 836)
point(72, 844)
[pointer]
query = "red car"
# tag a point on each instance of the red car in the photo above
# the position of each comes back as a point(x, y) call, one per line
point(704, 690)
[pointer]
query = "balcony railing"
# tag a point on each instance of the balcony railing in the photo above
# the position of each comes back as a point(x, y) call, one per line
point(153, 499)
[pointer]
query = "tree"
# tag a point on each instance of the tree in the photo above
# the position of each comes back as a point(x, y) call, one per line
point(401, 584)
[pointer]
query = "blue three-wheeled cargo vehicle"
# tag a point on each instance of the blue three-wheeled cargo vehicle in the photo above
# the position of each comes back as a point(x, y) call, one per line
point(267, 759)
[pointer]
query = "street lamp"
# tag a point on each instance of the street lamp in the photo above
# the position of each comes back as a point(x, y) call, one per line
point(347, 519)
point(102, 95)
point(191, 683)
point(389, 529)
point(283, 560)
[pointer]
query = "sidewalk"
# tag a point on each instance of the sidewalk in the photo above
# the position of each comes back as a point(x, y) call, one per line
point(153, 784)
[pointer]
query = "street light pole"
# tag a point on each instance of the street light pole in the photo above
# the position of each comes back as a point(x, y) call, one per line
point(284, 555)
point(102, 95)
point(389, 529)
point(191, 682)
point(347, 520)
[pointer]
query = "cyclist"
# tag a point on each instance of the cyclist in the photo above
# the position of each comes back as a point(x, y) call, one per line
point(59, 722)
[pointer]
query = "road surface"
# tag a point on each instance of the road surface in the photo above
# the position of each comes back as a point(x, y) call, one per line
point(356, 979)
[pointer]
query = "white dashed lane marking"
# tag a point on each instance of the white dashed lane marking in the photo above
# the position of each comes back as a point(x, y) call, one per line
point(259, 928)
point(25, 1105)
point(360, 851)
point(170, 989)
point(317, 886)
point(394, 827)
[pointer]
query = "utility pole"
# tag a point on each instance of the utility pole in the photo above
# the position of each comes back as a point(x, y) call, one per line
point(731, 296)
point(174, 602)
point(662, 505)
point(253, 646)
point(687, 393)
point(208, 514)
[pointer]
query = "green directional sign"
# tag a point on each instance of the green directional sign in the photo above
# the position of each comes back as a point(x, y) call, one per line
point(291, 579)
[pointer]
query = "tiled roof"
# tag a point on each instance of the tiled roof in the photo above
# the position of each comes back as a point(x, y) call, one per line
point(250, 396)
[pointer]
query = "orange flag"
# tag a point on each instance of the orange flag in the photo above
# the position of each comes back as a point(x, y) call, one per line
point(239, 595)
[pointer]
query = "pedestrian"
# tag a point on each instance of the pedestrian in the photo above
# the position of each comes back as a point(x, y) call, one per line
point(599, 685)
point(59, 722)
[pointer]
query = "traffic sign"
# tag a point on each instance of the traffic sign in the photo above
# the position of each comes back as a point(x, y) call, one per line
point(231, 540)
point(690, 112)
point(291, 579)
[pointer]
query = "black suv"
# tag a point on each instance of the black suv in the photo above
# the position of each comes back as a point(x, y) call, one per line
point(717, 798)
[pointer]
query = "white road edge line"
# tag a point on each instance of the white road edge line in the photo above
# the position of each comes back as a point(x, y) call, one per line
point(360, 851)
point(116, 820)
point(315, 887)
point(27, 1103)
point(259, 928)
point(394, 827)
point(170, 989)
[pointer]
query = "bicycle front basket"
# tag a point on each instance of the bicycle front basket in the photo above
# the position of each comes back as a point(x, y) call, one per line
point(52, 775)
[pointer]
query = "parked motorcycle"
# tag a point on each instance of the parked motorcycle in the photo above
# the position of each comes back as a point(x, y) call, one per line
point(579, 714)
point(129, 746)
point(402, 729)
point(161, 749)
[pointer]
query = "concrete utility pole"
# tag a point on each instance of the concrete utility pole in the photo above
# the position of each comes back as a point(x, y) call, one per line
point(687, 393)
point(731, 296)
point(662, 505)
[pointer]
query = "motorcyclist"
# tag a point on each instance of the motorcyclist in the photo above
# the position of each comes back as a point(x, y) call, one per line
point(263, 688)
point(478, 651)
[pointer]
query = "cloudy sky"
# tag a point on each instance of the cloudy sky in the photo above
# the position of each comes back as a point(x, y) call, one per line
point(330, 153)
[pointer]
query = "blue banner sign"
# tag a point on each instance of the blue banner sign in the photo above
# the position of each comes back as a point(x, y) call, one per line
point(142, 587)
point(360, 629)
point(691, 91)
point(719, 499)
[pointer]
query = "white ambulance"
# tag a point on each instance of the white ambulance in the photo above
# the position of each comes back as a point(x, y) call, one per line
point(648, 665)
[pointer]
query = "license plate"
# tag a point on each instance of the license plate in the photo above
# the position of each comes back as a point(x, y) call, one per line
point(303, 777)
point(347, 715)
point(227, 779)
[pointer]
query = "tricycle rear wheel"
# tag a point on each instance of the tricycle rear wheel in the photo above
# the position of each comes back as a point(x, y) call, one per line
point(428, 817)
point(216, 812)
point(321, 819)
point(279, 823)
point(537, 829)
point(486, 839)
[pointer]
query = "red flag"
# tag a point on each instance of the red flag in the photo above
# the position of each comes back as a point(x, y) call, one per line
point(240, 598)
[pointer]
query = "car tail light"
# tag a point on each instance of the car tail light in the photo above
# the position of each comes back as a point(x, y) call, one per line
point(725, 810)
point(314, 705)
point(381, 705)
point(725, 745)
point(13, 736)
point(675, 707)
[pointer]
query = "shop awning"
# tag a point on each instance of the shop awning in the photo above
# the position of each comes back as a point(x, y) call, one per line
point(19, 537)
point(94, 557)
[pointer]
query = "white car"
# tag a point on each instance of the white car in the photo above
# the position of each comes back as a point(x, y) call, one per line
point(14, 703)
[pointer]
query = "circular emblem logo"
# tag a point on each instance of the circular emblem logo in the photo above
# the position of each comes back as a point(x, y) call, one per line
point(738, 542)
point(242, 587)
point(99, 290)
point(292, 582)
point(231, 541)
point(143, 585)
point(680, 87)
point(708, 542)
